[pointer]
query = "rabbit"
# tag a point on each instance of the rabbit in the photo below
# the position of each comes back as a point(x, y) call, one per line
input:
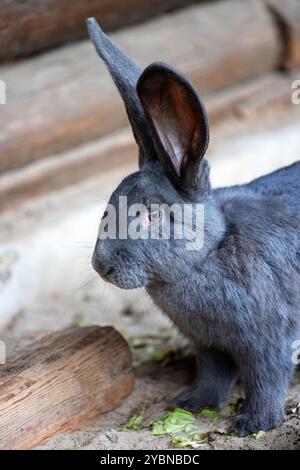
point(237, 298)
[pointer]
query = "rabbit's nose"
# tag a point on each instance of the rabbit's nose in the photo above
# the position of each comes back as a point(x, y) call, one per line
point(101, 261)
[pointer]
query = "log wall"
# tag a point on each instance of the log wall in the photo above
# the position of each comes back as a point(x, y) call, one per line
point(65, 98)
point(30, 26)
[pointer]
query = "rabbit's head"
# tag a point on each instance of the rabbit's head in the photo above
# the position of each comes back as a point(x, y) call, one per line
point(142, 240)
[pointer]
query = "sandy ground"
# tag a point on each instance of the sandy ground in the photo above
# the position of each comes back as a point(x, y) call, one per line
point(154, 387)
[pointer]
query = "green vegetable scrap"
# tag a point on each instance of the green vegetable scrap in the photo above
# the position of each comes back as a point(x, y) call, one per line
point(150, 338)
point(144, 356)
point(258, 435)
point(162, 334)
point(210, 413)
point(219, 431)
point(153, 347)
point(135, 422)
point(173, 422)
point(193, 442)
point(180, 425)
point(168, 356)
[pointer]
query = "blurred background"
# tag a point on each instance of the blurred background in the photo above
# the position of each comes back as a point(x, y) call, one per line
point(65, 142)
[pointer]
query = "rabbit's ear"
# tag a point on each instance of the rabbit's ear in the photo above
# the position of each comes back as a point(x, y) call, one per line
point(125, 74)
point(178, 119)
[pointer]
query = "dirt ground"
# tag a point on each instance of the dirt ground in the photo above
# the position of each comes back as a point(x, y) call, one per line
point(154, 387)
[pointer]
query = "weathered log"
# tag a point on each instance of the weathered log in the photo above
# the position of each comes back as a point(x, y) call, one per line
point(60, 383)
point(65, 98)
point(252, 99)
point(32, 26)
point(287, 13)
point(70, 167)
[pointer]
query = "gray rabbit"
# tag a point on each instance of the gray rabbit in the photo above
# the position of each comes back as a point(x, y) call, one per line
point(237, 298)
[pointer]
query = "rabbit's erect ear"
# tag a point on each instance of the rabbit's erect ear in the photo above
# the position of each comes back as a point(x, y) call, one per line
point(125, 74)
point(178, 119)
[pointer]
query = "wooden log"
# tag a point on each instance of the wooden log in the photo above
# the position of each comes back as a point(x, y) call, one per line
point(287, 13)
point(65, 98)
point(252, 99)
point(61, 383)
point(32, 26)
point(69, 168)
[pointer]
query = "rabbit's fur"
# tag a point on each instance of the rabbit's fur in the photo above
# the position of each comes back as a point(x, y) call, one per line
point(238, 297)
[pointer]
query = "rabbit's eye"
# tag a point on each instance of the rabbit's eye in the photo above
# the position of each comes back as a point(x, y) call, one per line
point(154, 216)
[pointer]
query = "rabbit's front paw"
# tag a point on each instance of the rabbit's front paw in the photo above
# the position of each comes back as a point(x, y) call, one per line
point(247, 423)
point(194, 398)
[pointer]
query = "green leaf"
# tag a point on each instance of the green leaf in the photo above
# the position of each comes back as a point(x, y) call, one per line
point(150, 338)
point(180, 425)
point(173, 422)
point(219, 431)
point(168, 356)
point(153, 347)
point(163, 333)
point(186, 441)
point(210, 413)
point(136, 421)
point(139, 342)
point(145, 355)
point(258, 435)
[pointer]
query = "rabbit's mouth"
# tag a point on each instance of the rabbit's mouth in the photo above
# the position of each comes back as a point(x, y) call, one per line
point(123, 278)
point(124, 281)
point(108, 274)
point(118, 267)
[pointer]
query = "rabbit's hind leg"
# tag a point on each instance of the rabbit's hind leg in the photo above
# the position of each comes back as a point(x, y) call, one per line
point(216, 374)
point(266, 382)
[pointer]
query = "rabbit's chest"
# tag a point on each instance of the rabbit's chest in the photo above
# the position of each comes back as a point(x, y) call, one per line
point(197, 320)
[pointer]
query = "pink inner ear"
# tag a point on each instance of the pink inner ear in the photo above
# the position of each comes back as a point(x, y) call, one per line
point(177, 146)
point(174, 155)
point(174, 111)
point(175, 122)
